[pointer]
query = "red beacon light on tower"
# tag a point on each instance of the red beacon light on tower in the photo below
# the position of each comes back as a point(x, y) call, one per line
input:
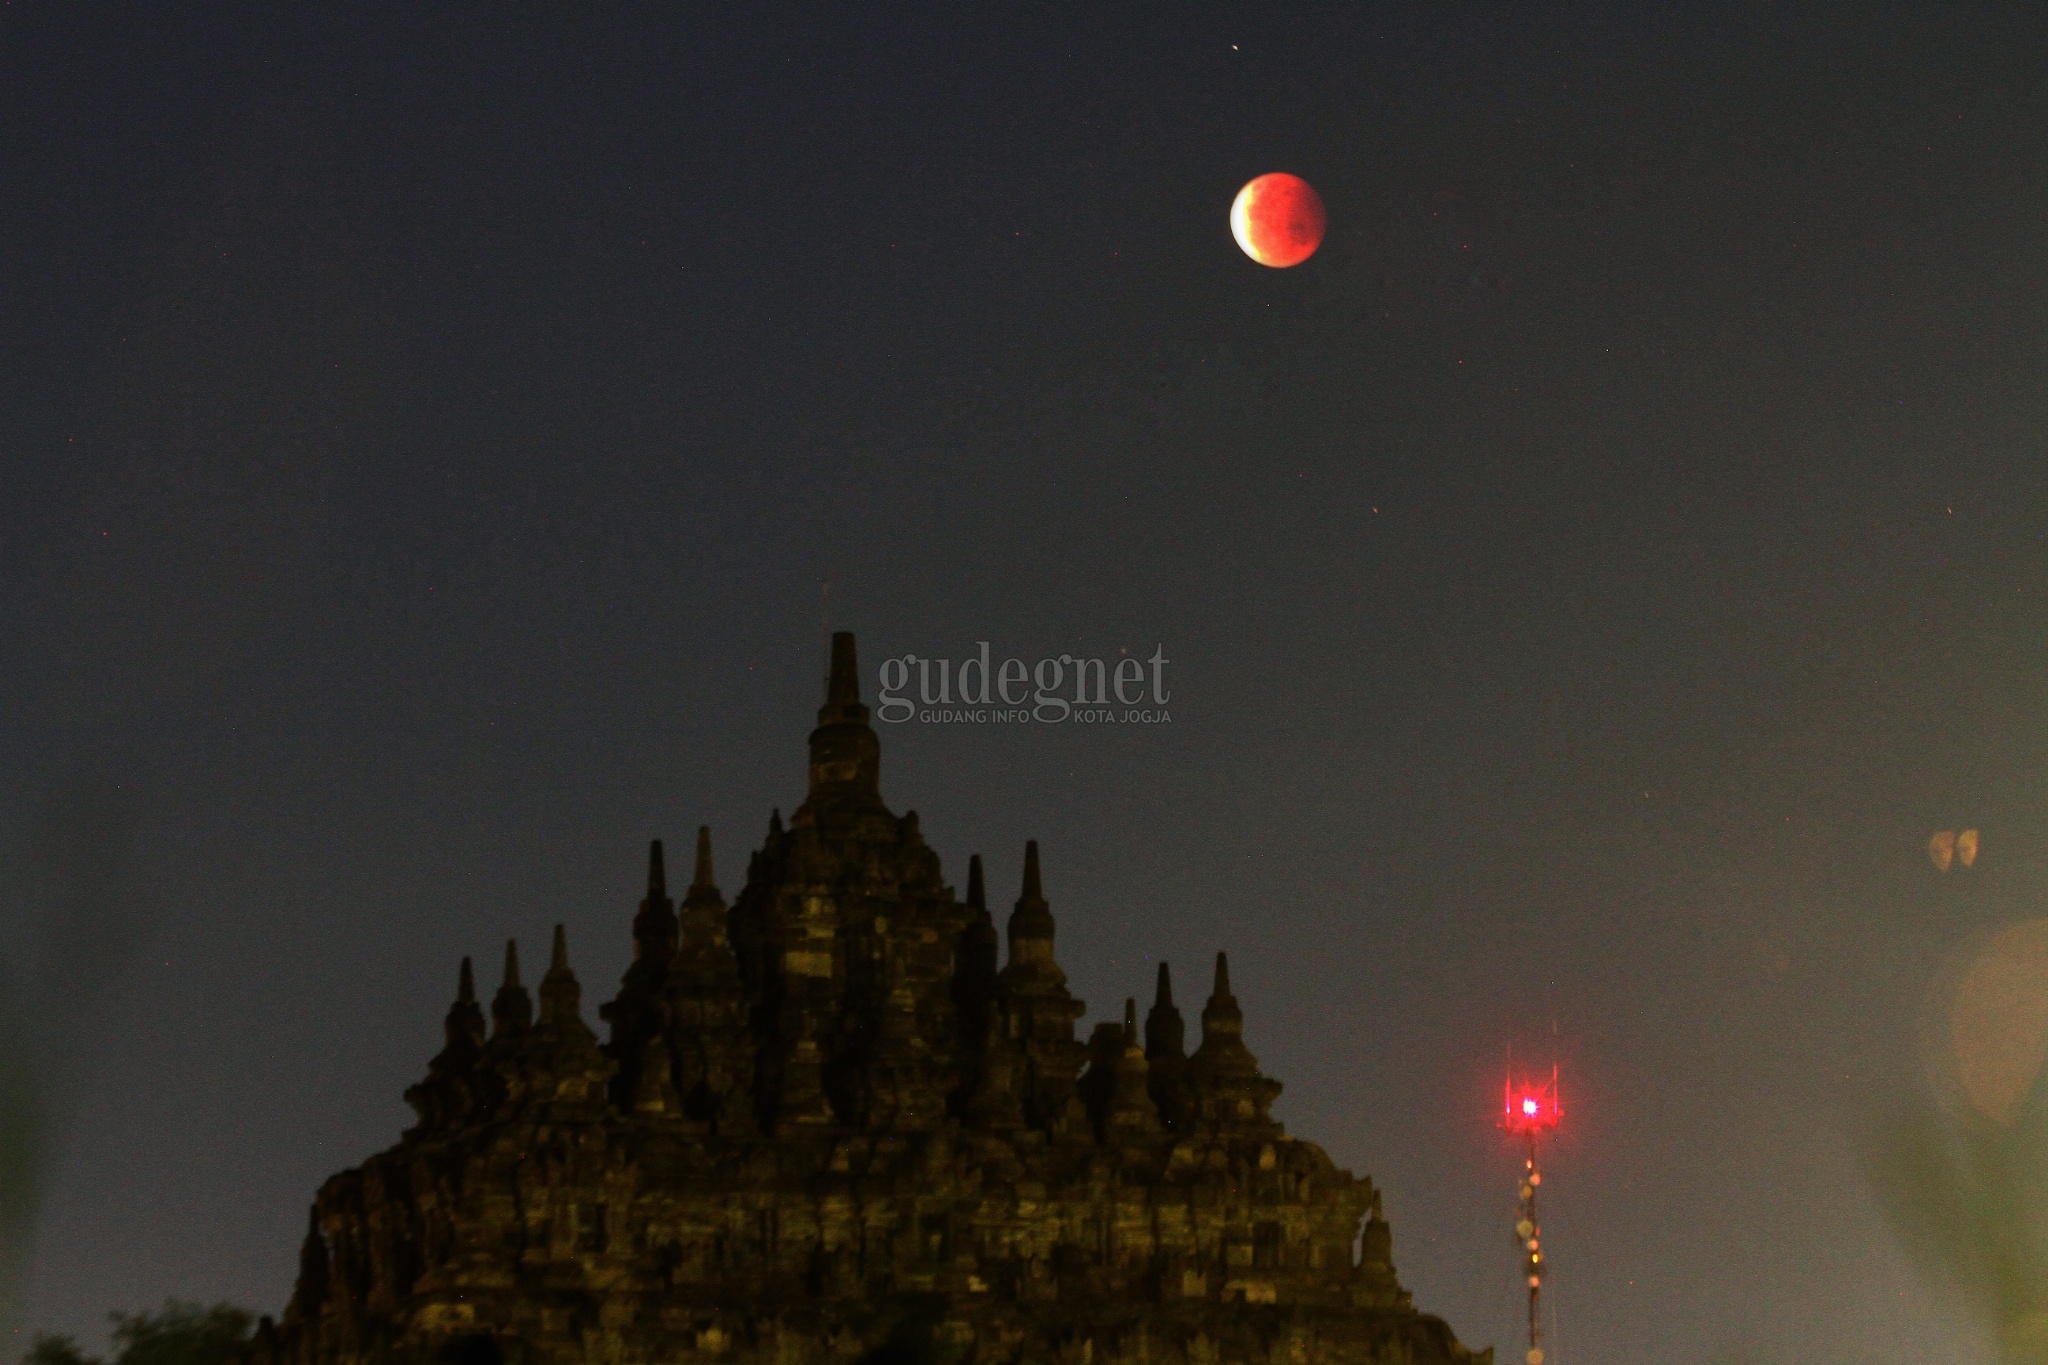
point(1527, 1110)
point(1530, 1109)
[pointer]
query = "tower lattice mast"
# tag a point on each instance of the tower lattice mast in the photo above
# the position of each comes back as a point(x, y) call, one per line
point(1528, 1111)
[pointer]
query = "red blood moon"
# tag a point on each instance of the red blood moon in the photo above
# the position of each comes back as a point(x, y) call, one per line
point(1278, 219)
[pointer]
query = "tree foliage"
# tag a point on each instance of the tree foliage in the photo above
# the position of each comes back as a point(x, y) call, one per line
point(56, 1350)
point(180, 1334)
point(1968, 1198)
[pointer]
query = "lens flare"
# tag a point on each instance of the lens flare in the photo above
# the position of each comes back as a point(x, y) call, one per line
point(1531, 1107)
point(1999, 1022)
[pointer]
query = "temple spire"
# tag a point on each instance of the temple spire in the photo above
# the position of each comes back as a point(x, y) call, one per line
point(511, 1008)
point(1165, 1035)
point(1034, 1007)
point(445, 1096)
point(1376, 1247)
point(846, 758)
point(703, 926)
point(654, 928)
point(1166, 1053)
point(657, 879)
point(1223, 1073)
point(313, 1267)
point(1222, 1020)
point(557, 1064)
point(561, 995)
point(1132, 1112)
point(701, 879)
point(465, 1020)
point(1031, 925)
point(842, 685)
point(974, 974)
point(635, 1012)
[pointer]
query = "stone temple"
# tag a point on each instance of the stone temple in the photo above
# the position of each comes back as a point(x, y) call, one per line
point(828, 1125)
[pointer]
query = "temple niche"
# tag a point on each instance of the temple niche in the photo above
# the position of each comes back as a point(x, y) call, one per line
point(832, 1120)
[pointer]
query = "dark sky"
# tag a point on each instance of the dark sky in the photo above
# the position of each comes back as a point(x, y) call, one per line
point(435, 443)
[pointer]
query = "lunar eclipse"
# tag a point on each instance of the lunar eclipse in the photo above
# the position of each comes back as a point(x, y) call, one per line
point(1278, 219)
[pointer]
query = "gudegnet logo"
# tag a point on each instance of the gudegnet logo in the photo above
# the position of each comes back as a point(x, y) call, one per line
point(1053, 690)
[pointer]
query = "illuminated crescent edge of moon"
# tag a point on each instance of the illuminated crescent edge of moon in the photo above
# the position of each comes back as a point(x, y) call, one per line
point(1241, 223)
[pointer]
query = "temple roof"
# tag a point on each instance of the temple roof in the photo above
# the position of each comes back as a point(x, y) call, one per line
point(824, 1113)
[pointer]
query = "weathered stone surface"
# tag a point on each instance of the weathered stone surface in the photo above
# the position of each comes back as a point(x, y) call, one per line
point(827, 1128)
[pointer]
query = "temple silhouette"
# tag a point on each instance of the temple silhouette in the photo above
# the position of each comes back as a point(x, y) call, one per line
point(828, 1125)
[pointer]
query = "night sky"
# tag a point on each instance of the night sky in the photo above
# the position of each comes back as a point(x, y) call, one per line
point(437, 442)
